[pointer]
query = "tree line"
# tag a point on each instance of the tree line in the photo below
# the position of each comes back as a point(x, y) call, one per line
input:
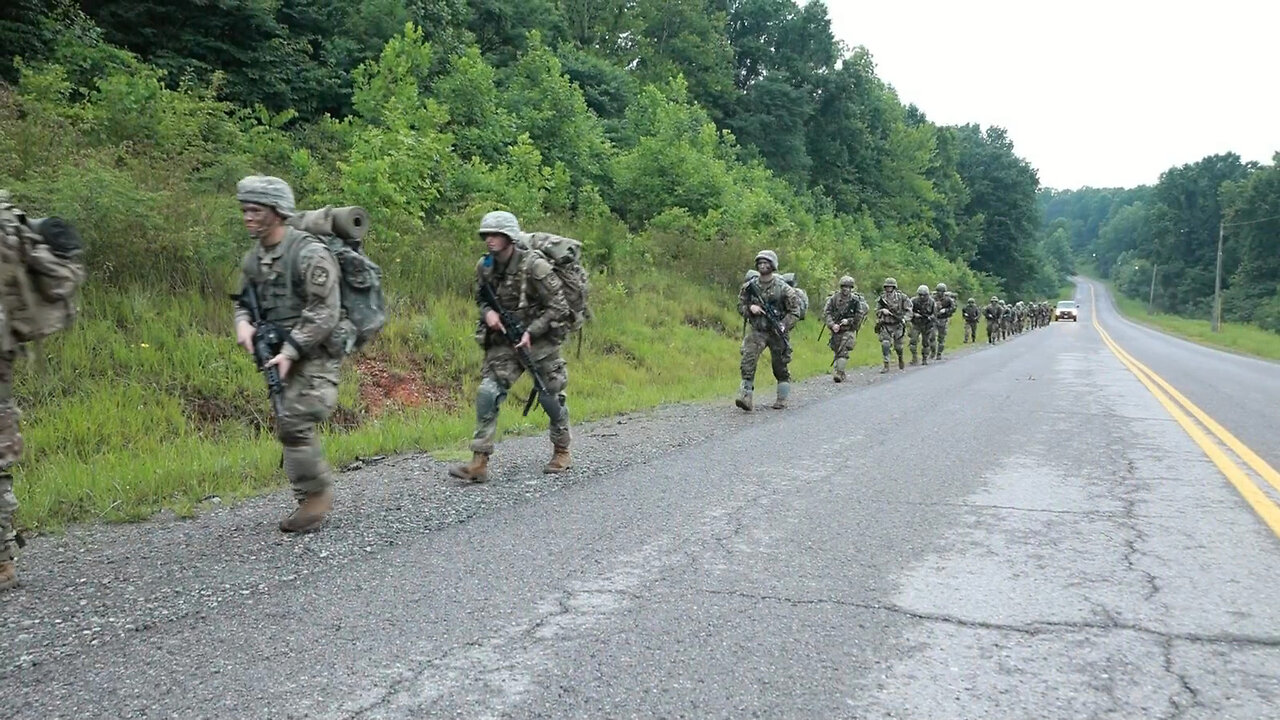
point(1166, 236)
point(724, 123)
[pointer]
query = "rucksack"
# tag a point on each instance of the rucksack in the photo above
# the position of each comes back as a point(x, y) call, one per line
point(565, 256)
point(342, 230)
point(40, 274)
point(790, 279)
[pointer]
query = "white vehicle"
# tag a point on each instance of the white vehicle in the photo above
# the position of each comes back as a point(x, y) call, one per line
point(1067, 310)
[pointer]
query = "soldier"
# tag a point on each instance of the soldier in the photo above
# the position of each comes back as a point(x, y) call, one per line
point(527, 288)
point(297, 282)
point(993, 312)
point(762, 301)
point(893, 308)
point(923, 322)
point(843, 314)
point(971, 315)
point(946, 307)
point(42, 272)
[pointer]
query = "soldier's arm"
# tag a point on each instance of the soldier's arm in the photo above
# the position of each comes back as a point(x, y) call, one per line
point(745, 300)
point(480, 280)
point(320, 277)
point(790, 303)
point(829, 310)
point(546, 284)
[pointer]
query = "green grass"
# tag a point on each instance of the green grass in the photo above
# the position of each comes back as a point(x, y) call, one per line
point(147, 402)
point(1236, 337)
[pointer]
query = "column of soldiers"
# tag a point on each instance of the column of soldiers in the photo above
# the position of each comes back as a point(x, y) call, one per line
point(290, 282)
point(769, 309)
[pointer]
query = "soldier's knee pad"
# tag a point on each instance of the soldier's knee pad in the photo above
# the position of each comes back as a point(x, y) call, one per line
point(489, 393)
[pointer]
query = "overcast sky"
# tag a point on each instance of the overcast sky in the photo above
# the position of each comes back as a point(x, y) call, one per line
point(1106, 94)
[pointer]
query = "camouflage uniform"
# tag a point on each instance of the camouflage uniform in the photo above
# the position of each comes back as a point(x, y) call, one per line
point(782, 300)
point(893, 307)
point(527, 287)
point(924, 325)
point(971, 314)
point(10, 453)
point(946, 307)
point(994, 313)
point(846, 310)
point(56, 279)
point(297, 281)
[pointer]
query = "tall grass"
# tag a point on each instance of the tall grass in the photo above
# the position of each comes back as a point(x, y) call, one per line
point(1236, 337)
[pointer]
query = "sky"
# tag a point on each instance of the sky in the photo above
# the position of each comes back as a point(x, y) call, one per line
point(1100, 94)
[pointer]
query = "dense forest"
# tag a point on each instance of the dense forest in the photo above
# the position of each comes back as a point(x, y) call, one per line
point(674, 137)
point(1160, 242)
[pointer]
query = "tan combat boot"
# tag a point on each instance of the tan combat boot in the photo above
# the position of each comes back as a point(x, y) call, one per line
point(310, 513)
point(915, 359)
point(744, 399)
point(901, 365)
point(476, 471)
point(885, 369)
point(8, 575)
point(560, 461)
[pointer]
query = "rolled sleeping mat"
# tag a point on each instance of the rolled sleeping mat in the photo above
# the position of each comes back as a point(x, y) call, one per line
point(58, 234)
point(349, 223)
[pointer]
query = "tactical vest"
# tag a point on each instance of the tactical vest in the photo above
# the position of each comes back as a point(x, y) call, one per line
point(280, 286)
point(775, 299)
point(513, 289)
point(895, 302)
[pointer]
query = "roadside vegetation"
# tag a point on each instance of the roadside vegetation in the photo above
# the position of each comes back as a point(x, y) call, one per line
point(1236, 337)
point(673, 162)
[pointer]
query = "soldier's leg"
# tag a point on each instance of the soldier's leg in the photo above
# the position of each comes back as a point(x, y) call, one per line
point(310, 395)
point(10, 453)
point(885, 336)
point(913, 333)
point(500, 370)
point(780, 359)
point(555, 372)
point(898, 334)
point(940, 342)
point(842, 344)
point(752, 345)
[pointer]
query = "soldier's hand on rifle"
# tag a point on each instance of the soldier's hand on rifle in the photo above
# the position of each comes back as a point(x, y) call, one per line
point(525, 341)
point(244, 335)
point(494, 321)
point(756, 310)
point(282, 363)
point(835, 327)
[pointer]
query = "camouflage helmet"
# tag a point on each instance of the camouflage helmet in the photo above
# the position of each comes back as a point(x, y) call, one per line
point(971, 301)
point(922, 290)
point(752, 274)
point(500, 222)
point(890, 282)
point(267, 191)
point(847, 281)
point(995, 299)
point(769, 255)
point(942, 287)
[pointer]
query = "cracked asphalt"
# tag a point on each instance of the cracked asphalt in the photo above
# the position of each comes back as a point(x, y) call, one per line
point(1017, 532)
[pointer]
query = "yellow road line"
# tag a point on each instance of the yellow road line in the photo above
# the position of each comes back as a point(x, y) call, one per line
point(1261, 504)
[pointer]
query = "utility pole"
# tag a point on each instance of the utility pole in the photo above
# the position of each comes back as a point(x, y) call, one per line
point(1216, 325)
point(1151, 300)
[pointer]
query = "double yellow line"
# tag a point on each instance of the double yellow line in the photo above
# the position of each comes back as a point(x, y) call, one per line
point(1179, 406)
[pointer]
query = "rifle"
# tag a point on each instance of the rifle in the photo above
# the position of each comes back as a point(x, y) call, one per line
point(268, 338)
point(775, 323)
point(513, 331)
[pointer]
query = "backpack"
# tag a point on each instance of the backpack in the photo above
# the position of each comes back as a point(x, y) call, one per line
point(342, 230)
point(565, 256)
point(40, 274)
point(790, 279)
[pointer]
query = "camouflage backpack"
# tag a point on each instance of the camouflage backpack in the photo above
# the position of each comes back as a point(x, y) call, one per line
point(790, 279)
point(40, 273)
point(342, 230)
point(565, 256)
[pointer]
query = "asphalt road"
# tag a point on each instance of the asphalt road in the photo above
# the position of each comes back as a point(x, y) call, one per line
point(1017, 532)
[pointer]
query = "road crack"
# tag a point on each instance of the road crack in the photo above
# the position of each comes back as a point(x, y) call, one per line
point(1033, 628)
